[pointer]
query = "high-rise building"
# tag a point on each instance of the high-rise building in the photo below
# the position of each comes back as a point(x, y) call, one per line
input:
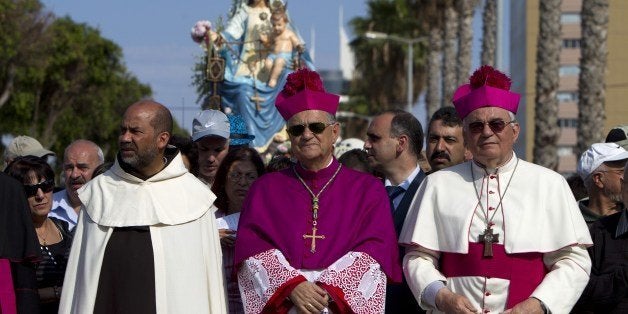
point(524, 30)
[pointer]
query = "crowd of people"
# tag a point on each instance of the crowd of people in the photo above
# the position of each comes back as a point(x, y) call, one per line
point(206, 224)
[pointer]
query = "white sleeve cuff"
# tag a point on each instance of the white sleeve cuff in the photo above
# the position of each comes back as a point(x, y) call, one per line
point(429, 294)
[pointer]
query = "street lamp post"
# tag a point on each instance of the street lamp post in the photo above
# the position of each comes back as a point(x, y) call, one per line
point(410, 42)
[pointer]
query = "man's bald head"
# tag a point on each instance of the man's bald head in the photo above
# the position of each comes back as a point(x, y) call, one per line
point(161, 118)
point(87, 146)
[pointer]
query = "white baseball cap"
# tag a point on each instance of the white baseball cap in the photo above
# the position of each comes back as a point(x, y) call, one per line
point(598, 154)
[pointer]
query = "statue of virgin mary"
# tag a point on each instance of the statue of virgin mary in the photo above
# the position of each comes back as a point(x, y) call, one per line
point(244, 90)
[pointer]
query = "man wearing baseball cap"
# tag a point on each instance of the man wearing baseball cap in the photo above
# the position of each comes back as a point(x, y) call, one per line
point(23, 145)
point(606, 290)
point(210, 132)
point(601, 168)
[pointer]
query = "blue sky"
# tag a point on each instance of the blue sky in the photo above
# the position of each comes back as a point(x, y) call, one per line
point(155, 37)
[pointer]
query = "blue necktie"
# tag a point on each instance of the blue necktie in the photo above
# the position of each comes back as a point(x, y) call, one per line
point(393, 192)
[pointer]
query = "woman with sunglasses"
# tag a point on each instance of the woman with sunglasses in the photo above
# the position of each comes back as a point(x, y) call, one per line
point(54, 235)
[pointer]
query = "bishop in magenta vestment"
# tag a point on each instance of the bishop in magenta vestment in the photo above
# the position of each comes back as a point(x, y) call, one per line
point(355, 219)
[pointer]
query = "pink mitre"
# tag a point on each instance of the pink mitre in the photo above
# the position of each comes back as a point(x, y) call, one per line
point(304, 91)
point(487, 87)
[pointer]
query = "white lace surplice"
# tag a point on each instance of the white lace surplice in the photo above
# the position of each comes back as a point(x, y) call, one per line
point(356, 274)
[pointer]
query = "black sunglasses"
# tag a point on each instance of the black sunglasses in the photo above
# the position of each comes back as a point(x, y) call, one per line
point(315, 127)
point(46, 186)
point(496, 126)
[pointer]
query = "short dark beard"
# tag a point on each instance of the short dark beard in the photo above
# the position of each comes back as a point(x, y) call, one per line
point(143, 158)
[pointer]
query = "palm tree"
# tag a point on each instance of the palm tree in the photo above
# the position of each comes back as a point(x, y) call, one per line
point(465, 39)
point(450, 47)
point(379, 62)
point(433, 69)
point(433, 21)
point(546, 130)
point(489, 32)
point(591, 84)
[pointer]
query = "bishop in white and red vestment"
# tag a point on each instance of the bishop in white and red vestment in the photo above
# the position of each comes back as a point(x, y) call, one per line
point(539, 250)
point(342, 239)
point(497, 236)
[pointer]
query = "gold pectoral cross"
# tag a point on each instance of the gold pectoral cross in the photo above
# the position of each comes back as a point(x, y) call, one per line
point(313, 236)
point(488, 238)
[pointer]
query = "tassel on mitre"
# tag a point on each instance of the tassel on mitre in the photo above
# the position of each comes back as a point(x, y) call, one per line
point(302, 79)
point(489, 76)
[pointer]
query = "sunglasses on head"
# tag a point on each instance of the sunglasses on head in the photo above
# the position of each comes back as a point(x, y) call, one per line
point(496, 125)
point(315, 127)
point(46, 186)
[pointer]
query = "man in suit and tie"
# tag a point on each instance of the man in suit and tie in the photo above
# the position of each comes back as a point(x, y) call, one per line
point(394, 142)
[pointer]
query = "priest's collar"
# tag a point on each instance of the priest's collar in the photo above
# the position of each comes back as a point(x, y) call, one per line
point(326, 172)
point(169, 155)
point(508, 166)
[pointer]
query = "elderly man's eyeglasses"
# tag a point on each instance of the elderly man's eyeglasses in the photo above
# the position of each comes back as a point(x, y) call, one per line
point(46, 186)
point(496, 125)
point(315, 127)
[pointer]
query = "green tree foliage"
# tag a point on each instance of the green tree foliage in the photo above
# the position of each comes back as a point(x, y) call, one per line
point(71, 83)
point(203, 87)
point(22, 37)
point(380, 81)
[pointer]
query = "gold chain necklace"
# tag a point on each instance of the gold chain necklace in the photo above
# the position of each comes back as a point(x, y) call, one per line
point(315, 197)
point(43, 238)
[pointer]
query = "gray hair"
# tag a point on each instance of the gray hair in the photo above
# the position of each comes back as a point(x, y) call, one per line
point(101, 156)
point(331, 118)
point(99, 153)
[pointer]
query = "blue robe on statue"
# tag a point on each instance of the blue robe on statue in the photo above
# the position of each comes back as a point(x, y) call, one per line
point(244, 90)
